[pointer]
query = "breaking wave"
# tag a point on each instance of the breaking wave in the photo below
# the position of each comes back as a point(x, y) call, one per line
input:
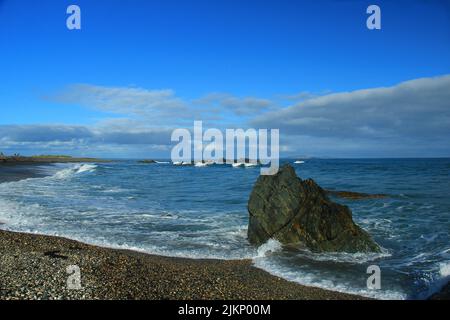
point(76, 169)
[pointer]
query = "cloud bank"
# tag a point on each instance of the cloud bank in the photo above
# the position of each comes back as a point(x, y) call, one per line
point(409, 119)
point(418, 108)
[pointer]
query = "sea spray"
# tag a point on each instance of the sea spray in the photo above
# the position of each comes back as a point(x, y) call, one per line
point(269, 247)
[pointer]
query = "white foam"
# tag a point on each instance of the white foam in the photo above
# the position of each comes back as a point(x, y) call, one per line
point(436, 280)
point(269, 247)
point(444, 269)
point(358, 257)
point(86, 168)
point(299, 162)
point(309, 278)
point(201, 164)
point(17, 215)
point(76, 169)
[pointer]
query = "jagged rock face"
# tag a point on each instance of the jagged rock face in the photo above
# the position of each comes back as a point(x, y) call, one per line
point(293, 211)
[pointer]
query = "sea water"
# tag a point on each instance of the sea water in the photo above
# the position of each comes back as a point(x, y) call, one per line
point(201, 212)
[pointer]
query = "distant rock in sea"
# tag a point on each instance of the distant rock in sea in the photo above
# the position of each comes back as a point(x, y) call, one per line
point(147, 161)
point(295, 211)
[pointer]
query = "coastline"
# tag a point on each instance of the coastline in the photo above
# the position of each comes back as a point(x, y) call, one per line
point(20, 160)
point(128, 274)
point(34, 267)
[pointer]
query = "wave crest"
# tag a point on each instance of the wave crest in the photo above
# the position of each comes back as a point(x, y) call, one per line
point(77, 169)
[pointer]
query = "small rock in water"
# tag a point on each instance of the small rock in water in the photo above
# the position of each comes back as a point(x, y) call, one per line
point(295, 211)
point(148, 161)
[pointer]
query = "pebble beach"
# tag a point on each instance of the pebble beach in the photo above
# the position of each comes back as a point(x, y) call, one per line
point(34, 267)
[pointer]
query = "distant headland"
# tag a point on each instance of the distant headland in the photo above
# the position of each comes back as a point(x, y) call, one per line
point(39, 159)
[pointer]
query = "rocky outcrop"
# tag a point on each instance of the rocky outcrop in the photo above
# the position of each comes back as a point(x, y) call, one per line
point(148, 161)
point(293, 211)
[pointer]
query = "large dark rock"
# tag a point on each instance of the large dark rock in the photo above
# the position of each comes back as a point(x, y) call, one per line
point(293, 211)
point(443, 294)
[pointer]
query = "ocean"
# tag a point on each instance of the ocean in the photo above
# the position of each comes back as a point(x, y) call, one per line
point(201, 212)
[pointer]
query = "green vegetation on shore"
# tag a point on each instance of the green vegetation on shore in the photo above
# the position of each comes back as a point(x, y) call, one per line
point(45, 156)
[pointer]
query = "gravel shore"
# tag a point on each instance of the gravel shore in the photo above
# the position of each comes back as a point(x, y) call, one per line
point(34, 267)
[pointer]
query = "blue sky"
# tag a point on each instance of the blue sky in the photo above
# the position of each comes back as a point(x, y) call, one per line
point(138, 69)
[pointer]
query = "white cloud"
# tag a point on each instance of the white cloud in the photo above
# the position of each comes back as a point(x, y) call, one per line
point(133, 102)
point(161, 105)
point(413, 112)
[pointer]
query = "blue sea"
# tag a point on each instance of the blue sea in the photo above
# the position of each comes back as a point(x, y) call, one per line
point(201, 212)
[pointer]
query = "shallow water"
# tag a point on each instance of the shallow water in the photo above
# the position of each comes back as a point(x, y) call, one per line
point(200, 212)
